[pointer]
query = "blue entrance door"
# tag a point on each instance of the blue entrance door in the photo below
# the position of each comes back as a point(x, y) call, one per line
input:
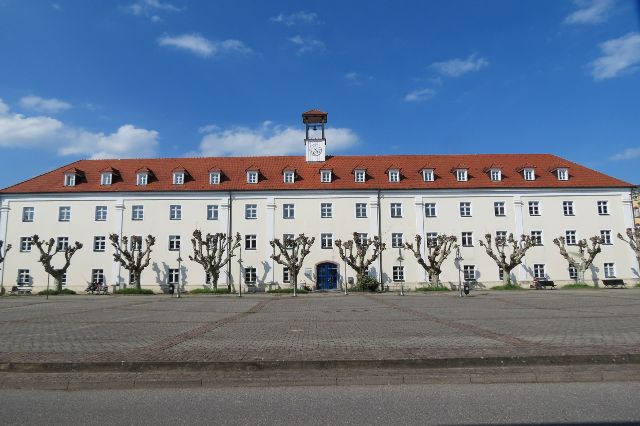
point(327, 274)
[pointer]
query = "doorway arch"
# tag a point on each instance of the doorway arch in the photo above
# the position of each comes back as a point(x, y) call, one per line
point(326, 276)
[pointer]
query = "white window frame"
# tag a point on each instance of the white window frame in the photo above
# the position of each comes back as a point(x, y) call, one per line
point(563, 174)
point(178, 178)
point(501, 235)
point(69, 179)
point(605, 235)
point(106, 178)
point(250, 275)
point(28, 214)
point(536, 238)
point(603, 208)
point(398, 273)
point(136, 243)
point(173, 276)
point(571, 237)
point(326, 240)
point(24, 277)
point(469, 272)
point(499, 208)
point(567, 208)
point(62, 243)
point(212, 212)
point(142, 178)
point(361, 211)
point(396, 210)
point(462, 175)
point(174, 242)
point(101, 213)
point(362, 237)
point(326, 210)
point(394, 175)
point(25, 244)
point(495, 175)
point(252, 177)
point(609, 269)
point(251, 242)
point(397, 239)
point(466, 239)
point(250, 211)
point(214, 178)
point(573, 273)
point(175, 212)
point(137, 212)
point(286, 276)
point(64, 214)
point(427, 175)
point(325, 176)
point(289, 211)
point(465, 209)
point(539, 271)
point(97, 276)
point(430, 208)
point(360, 176)
point(529, 174)
point(431, 239)
point(289, 176)
point(99, 243)
point(534, 208)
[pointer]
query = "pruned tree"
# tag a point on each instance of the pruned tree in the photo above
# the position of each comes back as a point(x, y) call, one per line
point(132, 257)
point(359, 260)
point(436, 252)
point(48, 249)
point(213, 252)
point(292, 252)
point(3, 255)
point(633, 235)
point(585, 254)
point(507, 262)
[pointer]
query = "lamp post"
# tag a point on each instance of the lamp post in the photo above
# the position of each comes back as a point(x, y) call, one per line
point(400, 260)
point(179, 271)
point(240, 276)
point(3, 256)
point(458, 259)
point(346, 279)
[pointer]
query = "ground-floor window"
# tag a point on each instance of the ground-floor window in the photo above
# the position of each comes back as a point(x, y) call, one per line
point(398, 273)
point(469, 272)
point(97, 276)
point(500, 274)
point(63, 281)
point(573, 273)
point(250, 275)
point(609, 270)
point(538, 271)
point(286, 278)
point(24, 278)
point(173, 276)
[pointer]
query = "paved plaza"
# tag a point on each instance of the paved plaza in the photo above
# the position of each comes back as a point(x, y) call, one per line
point(261, 327)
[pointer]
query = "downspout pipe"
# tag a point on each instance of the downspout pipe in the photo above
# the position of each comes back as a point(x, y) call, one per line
point(229, 238)
point(380, 239)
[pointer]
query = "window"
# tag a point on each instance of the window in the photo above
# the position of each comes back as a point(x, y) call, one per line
point(461, 175)
point(567, 208)
point(469, 272)
point(250, 211)
point(173, 276)
point(289, 177)
point(97, 276)
point(536, 238)
point(286, 277)
point(326, 241)
point(529, 174)
point(252, 177)
point(465, 209)
point(394, 175)
point(28, 213)
point(214, 178)
point(178, 178)
point(288, 211)
point(398, 274)
point(360, 176)
point(142, 179)
point(605, 234)
point(496, 175)
point(25, 244)
point(175, 212)
point(24, 278)
point(570, 238)
point(563, 174)
point(609, 270)
point(427, 175)
point(137, 212)
point(101, 213)
point(467, 239)
point(106, 178)
point(70, 179)
point(250, 275)
point(63, 280)
point(430, 209)
point(396, 209)
point(212, 212)
point(250, 242)
point(174, 242)
point(286, 237)
point(501, 236)
point(573, 273)
point(603, 207)
point(534, 208)
point(538, 271)
point(325, 176)
point(64, 214)
point(62, 243)
point(500, 273)
point(432, 239)
point(326, 210)
point(362, 237)
point(136, 243)
point(99, 243)
point(498, 208)
point(361, 210)
point(396, 239)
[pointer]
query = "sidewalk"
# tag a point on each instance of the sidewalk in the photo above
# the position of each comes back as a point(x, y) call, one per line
point(222, 334)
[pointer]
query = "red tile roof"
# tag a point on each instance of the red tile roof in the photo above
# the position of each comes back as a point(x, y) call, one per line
point(234, 169)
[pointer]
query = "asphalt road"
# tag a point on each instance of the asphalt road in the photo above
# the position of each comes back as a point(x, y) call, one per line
point(584, 403)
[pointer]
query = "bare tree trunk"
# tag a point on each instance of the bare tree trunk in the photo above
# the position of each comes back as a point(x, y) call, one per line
point(506, 276)
point(58, 283)
point(136, 278)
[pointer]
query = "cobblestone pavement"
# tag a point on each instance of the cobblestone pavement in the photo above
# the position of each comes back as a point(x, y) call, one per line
point(319, 326)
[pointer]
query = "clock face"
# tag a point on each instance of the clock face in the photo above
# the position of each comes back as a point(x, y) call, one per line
point(316, 149)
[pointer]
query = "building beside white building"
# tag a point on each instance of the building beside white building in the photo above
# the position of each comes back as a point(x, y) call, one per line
point(328, 197)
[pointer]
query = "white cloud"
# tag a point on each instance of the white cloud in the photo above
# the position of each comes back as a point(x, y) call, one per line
point(627, 154)
point(50, 134)
point(420, 95)
point(457, 67)
point(201, 46)
point(356, 79)
point(307, 45)
point(590, 12)
point(618, 55)
point(150, 8)
point(296, 18)
point(36, 103)
point(268, 139)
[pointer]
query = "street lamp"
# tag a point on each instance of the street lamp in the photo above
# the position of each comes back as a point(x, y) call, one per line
point(240, 276)
point(346, 279)
point(458, 259)
point(3, 256)
point(400, 260)
point(179, 270)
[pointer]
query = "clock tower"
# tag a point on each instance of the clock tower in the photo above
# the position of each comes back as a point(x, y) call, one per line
point(314, 141)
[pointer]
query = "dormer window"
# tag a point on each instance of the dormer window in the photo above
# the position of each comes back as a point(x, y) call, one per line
point(214, 178)
point(106, 178)
point(562, 173)
point(495, 174)
point(178, 178)
point(394, 175)
point(142, 178)
point(252, 176)
point(461, 175)
point(69, 179)
point(360, 175)
point(289, 176)
point(529, 174)
point(325, 176)
point(427, 175)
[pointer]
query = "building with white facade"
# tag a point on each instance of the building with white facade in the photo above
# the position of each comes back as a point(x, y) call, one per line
point(329, 197)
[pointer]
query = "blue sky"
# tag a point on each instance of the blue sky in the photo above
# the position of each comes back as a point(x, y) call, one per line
point(135, 78)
